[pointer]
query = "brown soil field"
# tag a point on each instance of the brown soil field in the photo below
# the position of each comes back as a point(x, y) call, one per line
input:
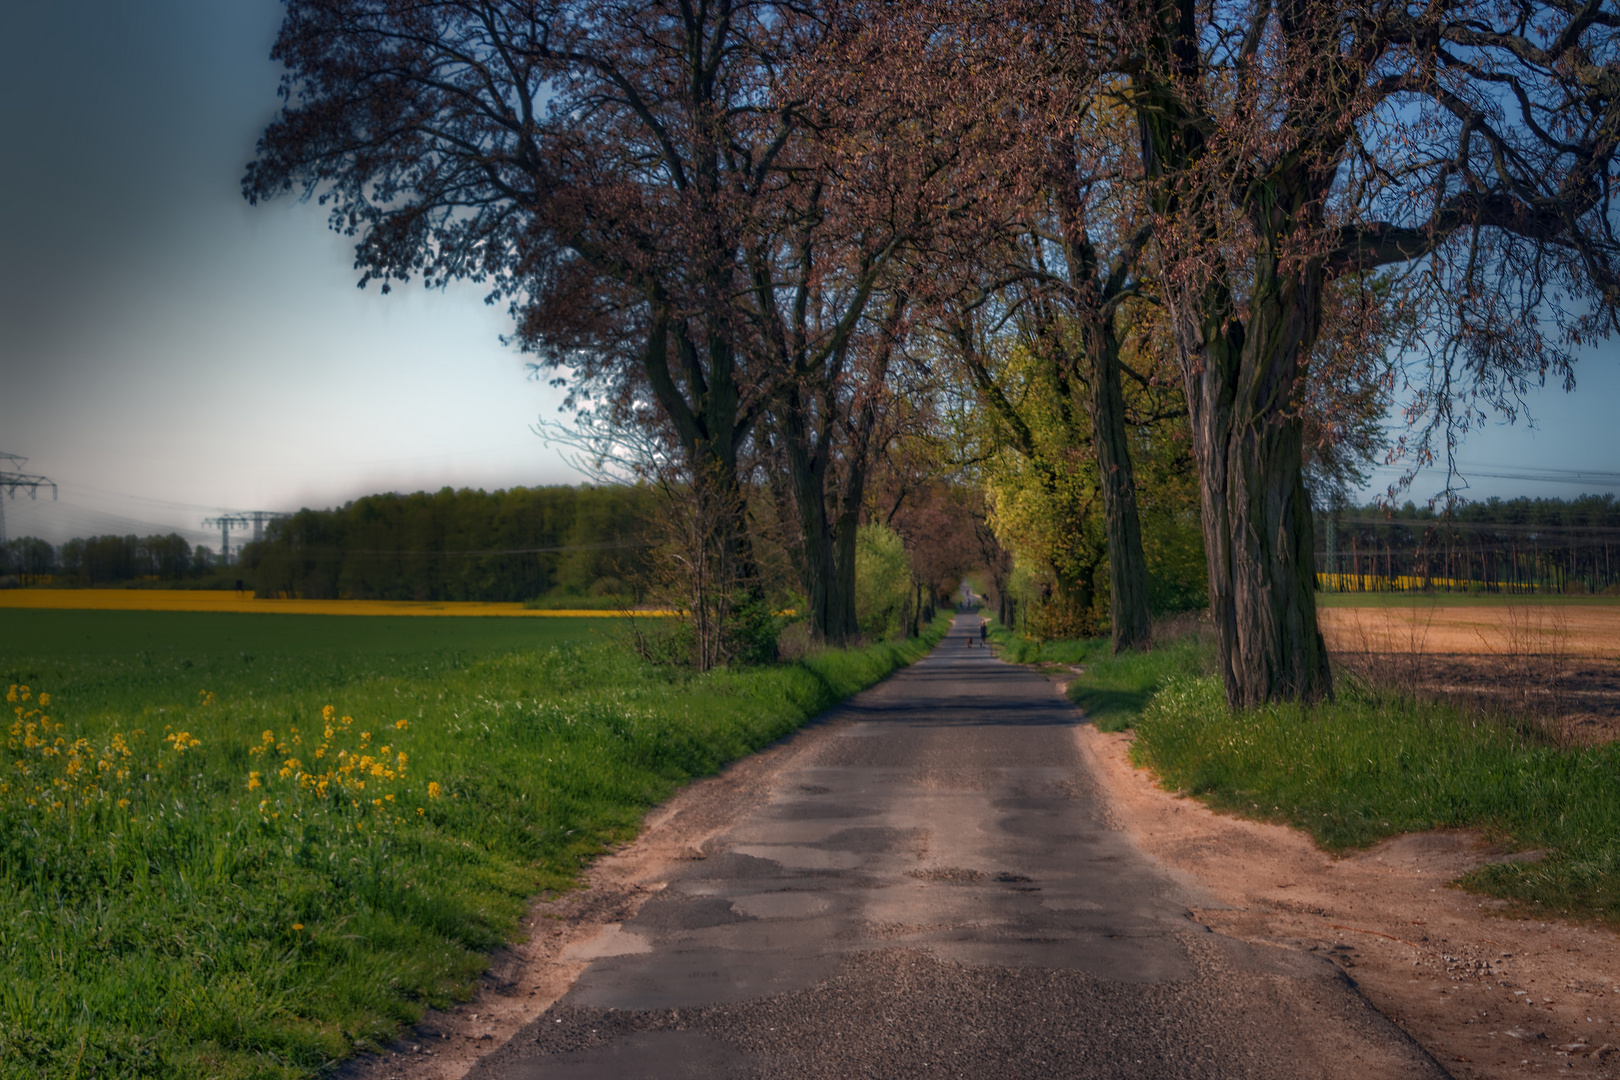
point(1557, 664)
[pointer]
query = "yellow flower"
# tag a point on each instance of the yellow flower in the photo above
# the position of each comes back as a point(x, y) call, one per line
point(327, 712)
point(298, 926)
point(402, 724)
point(44, 701)
point(420, 811)
point(123, 803)
point(253, 780)
point(434, 790)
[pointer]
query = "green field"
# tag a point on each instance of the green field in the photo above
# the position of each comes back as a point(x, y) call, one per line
point(202, 874)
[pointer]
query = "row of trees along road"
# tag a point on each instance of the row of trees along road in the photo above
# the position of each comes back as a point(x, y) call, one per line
point(773, 238)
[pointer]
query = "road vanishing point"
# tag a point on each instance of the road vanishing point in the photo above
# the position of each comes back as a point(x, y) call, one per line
point(932, 888)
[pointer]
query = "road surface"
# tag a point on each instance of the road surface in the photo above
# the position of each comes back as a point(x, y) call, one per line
point(933, 889)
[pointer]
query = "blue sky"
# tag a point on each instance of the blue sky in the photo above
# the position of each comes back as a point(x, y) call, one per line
point(167, 351)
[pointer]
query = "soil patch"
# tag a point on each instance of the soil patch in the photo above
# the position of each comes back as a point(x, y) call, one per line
point(1558, 665)
point(1488, 992)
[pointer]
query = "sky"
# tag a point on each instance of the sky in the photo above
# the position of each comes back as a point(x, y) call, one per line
point(168, 352)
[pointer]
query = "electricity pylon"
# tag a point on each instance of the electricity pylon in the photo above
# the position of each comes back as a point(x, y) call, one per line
point(10, 481)
point(226, 522)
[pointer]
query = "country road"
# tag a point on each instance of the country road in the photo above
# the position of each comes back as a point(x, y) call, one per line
point(932, 888)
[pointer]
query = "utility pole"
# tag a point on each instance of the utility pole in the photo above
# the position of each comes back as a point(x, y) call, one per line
point(226, 522)
point(11, 480)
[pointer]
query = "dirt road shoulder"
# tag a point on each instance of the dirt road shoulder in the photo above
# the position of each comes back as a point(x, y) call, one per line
point(1488, 995)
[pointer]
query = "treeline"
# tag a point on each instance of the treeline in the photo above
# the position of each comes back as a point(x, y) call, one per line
point(102, 560)
point(513, 545)
point(1496, 545)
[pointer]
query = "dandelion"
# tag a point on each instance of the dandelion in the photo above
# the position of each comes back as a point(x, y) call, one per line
point(401, 725)
point(298, 926)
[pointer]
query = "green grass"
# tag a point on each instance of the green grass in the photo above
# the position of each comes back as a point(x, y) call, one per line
point(1376, 764)
point(1111, 690)
point(213, 929)
point(1370, 765)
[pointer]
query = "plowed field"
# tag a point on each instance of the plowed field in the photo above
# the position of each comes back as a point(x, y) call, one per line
point(1555, 662)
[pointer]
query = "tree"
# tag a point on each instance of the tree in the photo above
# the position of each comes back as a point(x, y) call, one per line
point(28, 557)
point(1291, 144)
point(603, 166)
point(687, 220)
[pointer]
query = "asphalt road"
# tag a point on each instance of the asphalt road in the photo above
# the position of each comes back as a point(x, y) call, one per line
point(934, 890)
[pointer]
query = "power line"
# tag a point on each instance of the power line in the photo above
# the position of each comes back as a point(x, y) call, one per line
point(10, 481)
point(226, 522)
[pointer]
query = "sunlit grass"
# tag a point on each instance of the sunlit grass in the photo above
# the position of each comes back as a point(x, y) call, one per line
point(1371, 764)
point(1374, 764)
point(1110, 689)
point(254, 885)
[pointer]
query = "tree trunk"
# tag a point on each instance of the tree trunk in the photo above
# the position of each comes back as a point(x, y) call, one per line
point(828, 538)
point(1247, 441)
point(1130, 624)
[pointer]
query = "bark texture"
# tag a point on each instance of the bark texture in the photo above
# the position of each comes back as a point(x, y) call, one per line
point(1258, 534)
point(1130, 623)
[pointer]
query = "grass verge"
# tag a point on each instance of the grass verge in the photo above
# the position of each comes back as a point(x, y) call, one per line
point(1373, 764)
point(206, 872)
point(1111, 690)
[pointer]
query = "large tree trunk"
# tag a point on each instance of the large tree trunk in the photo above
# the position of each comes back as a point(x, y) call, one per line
point(1130, 624)
point(1247, 440)
point(827, 534)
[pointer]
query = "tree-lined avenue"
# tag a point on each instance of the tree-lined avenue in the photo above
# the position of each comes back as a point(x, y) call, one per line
point(933, 888)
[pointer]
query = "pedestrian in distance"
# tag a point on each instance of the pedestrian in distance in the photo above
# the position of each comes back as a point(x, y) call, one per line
point(984, 632)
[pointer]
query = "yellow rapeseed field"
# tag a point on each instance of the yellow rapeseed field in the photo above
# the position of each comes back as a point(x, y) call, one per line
point(246, 603)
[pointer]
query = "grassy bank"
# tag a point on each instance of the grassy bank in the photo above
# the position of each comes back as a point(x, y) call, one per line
point(1375, 764)
point(1111, 689)
point(1372, 764)
point(204, 872)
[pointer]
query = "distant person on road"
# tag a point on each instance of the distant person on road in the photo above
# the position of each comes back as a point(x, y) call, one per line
point(984, 632)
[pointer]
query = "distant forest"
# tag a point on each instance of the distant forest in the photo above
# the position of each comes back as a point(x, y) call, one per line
point(1496, 545)
point(519, 544)
point(561, 542)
